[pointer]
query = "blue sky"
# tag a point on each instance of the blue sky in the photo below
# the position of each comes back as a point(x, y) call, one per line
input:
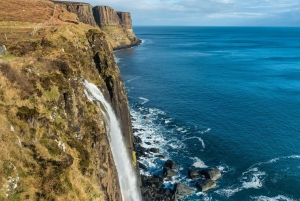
point(208, 12)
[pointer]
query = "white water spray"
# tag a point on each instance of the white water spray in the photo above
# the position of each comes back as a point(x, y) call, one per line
point(127, 176)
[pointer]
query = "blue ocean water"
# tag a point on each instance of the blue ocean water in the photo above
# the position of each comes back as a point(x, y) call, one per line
point(225, 97)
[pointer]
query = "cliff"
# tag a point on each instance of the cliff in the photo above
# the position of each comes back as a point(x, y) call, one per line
point(82, 10)
point(53, 142)
point(117, 25)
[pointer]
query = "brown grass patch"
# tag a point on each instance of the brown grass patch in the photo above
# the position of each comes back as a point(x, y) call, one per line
point(26, 10)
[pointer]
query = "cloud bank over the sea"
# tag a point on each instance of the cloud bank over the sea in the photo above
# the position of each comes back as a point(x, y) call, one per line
point(209, 12)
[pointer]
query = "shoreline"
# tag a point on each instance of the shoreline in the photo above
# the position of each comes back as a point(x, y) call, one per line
point(139, 42)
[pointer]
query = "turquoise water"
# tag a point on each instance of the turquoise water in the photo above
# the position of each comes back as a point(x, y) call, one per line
point(226, 97)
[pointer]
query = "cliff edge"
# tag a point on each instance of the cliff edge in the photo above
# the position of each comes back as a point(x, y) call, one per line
point(117, 25)
point(53, 142)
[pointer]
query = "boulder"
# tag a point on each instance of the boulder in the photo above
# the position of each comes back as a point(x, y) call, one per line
point(170, 164)
point(2, 50)
point(211, 173)
point(167, 172)
point(205, 185)
point(182, 190)
point(137, 139)
point(142, 166)
point(154, 150)
point(194, 174)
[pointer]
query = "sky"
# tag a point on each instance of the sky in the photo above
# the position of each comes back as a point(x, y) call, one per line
point(208, 12)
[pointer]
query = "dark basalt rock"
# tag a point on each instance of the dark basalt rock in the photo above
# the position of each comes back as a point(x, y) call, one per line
point(182, 190)
point(154, 150)
point(170, 164)
point(142, 166)
point(211, 173)
point(137, 139)
point(205, 185)
point(194, 174)
point(168, 173)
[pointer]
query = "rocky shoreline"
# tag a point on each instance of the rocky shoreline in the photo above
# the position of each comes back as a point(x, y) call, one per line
point(158, 186)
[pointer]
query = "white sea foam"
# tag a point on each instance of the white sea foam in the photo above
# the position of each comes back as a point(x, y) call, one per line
point(206, 131)
point(277, 198)
point(229, 191)
point(200, 139)
point(117, 59)
point(224, 168)
point(252, 178)
point(145, 100)
point(131, 79)
point(198, 163)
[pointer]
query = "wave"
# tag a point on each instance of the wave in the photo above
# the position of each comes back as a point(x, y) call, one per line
point(254, 178)
point(201, 141)
point(277, 198)
point(198, 163)
point(145, 100)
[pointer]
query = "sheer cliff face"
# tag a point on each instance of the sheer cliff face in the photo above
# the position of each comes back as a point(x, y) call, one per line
point(117, 25)
point(106, 16)
point(83, 10)
point(53, 142)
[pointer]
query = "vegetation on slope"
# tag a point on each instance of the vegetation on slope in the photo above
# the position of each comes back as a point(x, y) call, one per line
point(52, 138)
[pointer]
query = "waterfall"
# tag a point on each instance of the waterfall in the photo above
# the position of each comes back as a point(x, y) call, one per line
point(127, 176)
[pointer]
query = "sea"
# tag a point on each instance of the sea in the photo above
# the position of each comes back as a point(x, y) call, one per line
point(224, 97)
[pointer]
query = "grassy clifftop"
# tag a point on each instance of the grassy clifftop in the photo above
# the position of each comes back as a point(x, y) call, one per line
point(53, 144)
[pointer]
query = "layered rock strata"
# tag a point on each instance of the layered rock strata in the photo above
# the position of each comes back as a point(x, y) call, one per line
point(117, 25)
point(82, 10)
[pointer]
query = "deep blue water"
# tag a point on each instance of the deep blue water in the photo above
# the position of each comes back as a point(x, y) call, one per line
point(226, 97)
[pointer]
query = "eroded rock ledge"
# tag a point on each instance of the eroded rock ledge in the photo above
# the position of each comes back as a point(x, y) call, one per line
point(117, 25)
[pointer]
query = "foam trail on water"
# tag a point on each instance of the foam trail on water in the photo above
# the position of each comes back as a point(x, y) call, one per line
point(127, 176)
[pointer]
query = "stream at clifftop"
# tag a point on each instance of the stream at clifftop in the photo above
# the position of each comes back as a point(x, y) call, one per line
point(223, 97)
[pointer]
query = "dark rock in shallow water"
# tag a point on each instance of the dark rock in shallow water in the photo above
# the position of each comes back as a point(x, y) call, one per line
point(142, 166)
point(211, 173)
point(160, 156)
point(205, 185)
point(182, 190)
point(154, 150)
point(137, 139)
point(170, 164)
point(167, 172)
point(148, 143)
point(194, 174)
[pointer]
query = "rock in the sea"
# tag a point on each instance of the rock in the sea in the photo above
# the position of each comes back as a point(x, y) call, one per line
point(194, 174)
point(205, 185)
point(137, 139)
point(154, 150)
point(182, 190)
point(167, 172)
point(211, 173)
point(170, 164)
point(142, 166)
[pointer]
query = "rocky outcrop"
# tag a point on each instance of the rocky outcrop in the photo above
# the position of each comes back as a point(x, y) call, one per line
point(106, 16)
point(58, 134)
point(205, 185)
point(112, 87)
point(82, 10)
point(2, 50)
point(117, 25)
